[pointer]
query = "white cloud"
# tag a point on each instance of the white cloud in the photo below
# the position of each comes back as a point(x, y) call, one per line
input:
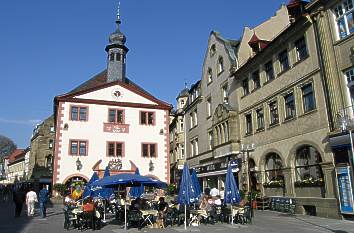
point(19, 122)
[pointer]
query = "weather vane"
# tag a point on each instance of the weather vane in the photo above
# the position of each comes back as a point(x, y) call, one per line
point(118, 11)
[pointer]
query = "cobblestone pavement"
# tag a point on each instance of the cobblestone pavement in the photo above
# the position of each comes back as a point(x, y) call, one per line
point(264, 221)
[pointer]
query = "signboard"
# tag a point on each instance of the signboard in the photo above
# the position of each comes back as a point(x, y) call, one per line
point(234, 165)
point(345, 190)
point(115, 128)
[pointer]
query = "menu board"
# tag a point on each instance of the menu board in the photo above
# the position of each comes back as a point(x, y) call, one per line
point(345, 190)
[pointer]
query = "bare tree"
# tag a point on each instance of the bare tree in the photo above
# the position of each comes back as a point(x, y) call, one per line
point(7, 146)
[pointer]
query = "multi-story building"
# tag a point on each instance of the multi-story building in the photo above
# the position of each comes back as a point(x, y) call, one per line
point(40, 161)
point(211, 121)
point(16, 166)
point(111, 121)
point(334, 27)
point(177, 137)
point(283, 111)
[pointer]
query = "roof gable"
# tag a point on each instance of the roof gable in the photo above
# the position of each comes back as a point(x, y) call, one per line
point(97, 88)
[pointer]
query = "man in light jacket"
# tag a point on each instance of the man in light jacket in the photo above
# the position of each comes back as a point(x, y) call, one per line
point(31, 199)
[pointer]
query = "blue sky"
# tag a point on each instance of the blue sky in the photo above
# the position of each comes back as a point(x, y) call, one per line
point(49, 47)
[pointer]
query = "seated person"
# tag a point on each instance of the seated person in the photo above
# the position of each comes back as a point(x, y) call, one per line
point(162, 207)
point(204, 205)
point(211, 201)
point(89, 212)
point(217, 201)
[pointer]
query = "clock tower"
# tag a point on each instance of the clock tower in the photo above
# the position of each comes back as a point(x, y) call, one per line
point(116, 50)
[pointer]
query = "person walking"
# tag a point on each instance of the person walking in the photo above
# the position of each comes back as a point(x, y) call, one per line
point(43, 198)
point(18, 198)
point(31, 199)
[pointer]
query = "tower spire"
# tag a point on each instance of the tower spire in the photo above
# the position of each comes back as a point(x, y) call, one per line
point(117, 51)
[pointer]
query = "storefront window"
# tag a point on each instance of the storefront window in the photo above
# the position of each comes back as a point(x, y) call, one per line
point(273, 168)
point(307, 166)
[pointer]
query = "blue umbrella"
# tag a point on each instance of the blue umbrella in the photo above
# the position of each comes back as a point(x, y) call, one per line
point(196, 184)
point(187, 194)
point(87, 190)
point(137, 191)
point(231, 195)
point(128, 180)
point(104, 192)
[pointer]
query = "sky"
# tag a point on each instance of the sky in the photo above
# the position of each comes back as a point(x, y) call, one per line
point(49, 47)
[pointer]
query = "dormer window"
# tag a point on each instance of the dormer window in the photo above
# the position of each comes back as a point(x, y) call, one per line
point(220, 65)
point(212, 50)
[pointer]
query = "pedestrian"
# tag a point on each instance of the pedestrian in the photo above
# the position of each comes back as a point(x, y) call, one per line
point(18, 198)
point(31, 199)
point(43, 198)
point(214, 192)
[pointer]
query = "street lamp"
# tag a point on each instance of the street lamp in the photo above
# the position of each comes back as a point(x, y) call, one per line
point(151, 166)
point(78, 164)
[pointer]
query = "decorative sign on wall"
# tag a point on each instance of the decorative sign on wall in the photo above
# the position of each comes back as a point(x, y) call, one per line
point(117, 94)
point(115, 164)
point(115, 128)
point(345, 190)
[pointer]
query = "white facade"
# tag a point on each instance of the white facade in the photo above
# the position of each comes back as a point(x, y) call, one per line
point(98, 102)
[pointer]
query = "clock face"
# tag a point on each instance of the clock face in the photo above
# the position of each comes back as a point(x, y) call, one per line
point(117, 94)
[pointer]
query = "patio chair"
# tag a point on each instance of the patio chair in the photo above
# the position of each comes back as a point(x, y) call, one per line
point(69, 219)
point(134, 218)
point(243, 215)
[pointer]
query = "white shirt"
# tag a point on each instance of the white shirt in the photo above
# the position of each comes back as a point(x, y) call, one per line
point(214, 192)
point(31, 196)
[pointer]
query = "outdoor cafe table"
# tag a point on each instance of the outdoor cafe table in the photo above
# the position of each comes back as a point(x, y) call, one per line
point(196, 216)
point(147, 214)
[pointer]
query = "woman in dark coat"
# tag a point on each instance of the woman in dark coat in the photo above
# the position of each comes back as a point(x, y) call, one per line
point(19, 199)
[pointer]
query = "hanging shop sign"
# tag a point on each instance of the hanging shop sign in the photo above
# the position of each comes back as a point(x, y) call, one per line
point(234, 165)
point(345, 190)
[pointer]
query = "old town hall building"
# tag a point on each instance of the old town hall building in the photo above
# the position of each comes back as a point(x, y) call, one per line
point(110, 121)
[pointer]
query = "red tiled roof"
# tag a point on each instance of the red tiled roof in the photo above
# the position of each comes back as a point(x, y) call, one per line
point(16, 154)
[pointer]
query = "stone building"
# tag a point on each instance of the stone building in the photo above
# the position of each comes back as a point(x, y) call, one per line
point(177, 137)
point(334, 26)
point(211, 122)
point(283, 111)
point(40, 161)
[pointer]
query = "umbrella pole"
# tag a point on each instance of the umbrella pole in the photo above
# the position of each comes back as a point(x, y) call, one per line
point(104, 211)
point(125, 214)
point(185, 217)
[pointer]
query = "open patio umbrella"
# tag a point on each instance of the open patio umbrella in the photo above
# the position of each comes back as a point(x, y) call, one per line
point(87, 191)
point(187, 194)
point(196, 184)
point(127, 180)
point(137, 191)
point(231, 194)
point(104, 192)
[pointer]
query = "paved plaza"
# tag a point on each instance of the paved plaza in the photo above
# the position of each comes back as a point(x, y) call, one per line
point(264, 221)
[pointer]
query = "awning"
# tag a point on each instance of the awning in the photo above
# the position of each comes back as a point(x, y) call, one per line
point(340, 141)
point(215, 173)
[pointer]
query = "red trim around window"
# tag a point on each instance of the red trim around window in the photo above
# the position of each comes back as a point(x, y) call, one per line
point(115, 120)
point(147, 117)
point(149, 143)
point(78, 147)
point(78, 112)
point(115, 149)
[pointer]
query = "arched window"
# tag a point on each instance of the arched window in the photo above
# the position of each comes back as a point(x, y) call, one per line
point(220, 65)
point(212, 50)
point(273, 167)
point(49, 161)
point(307, 165)
point(210, 75)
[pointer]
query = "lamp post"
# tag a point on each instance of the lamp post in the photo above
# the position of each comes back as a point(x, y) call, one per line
point(78, 164)
point(246, 149)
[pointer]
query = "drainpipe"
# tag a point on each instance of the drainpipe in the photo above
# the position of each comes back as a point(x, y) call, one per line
point(322, 69)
